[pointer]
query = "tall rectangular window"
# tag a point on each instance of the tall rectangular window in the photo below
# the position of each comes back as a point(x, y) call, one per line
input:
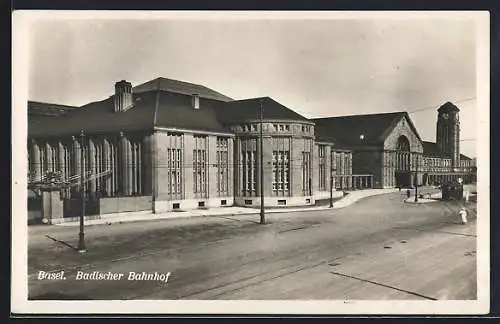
point(222, 166)
point(281, 172)
point(200, 166)
point(306, 171)
point(322, 167)
point(174, 170)
point(248, 167)
point(174, 165)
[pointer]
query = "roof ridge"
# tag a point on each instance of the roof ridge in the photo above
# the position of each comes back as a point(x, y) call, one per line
point(362, 115)
point(254, 98)
point(51, 103)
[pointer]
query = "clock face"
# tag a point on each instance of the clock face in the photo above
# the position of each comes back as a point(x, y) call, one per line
point(445, 116)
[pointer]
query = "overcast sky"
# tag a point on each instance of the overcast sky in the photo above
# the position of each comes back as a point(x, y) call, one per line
point(315, 67)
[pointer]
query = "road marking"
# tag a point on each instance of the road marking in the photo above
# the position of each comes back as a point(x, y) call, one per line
point(436, 231)
point(382, 285)
point(294, 229)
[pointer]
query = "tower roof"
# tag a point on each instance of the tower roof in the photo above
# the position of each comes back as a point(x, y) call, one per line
point(448, 107)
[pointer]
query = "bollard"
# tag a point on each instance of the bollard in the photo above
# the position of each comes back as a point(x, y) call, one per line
point(466, 196)
point(408, 193)
point(463, 215)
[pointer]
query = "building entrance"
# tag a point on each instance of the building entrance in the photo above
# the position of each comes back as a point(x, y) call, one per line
point(403, 179)
point(402, 171)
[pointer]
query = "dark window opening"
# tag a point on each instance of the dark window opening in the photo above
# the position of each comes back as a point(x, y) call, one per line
point(282, 202)
point(248, 202)
point(201, 204)
point(176, 206)
point(223, 202)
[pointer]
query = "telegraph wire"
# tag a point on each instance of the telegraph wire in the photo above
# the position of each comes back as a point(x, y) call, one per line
point(436, 106)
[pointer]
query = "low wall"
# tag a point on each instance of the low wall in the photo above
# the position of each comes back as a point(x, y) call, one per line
point(124, 204)
point(161, 206)
point(254, 201)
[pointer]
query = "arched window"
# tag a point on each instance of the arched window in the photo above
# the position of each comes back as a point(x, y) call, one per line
point(403, 144)
point(403, 154)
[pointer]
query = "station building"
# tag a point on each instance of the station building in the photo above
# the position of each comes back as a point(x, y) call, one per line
point(169, 145)
point(388, 146)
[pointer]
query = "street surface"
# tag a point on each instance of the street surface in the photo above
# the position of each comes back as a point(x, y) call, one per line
point(378, 248)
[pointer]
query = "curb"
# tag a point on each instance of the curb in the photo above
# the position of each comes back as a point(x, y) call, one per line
point(342, 203)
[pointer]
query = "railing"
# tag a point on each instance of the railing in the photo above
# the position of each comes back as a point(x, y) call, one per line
point(353, 181)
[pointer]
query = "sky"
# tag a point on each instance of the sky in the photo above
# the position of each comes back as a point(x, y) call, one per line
point(317, 67)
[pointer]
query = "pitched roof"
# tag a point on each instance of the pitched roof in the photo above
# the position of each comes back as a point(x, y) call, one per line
point(465, 157)
point(97, 117)
point(176, 111)
point(346, 130)
point(249, 109)
point(45, 109)
point(431, 149)
point(181, 87)
point(153, 108)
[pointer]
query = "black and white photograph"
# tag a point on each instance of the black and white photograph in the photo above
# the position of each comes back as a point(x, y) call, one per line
point(212, 162)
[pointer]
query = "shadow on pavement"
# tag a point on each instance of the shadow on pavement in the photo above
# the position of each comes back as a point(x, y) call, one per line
point(62, 242)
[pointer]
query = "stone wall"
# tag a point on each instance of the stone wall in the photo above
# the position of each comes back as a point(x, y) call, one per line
point(124, 204)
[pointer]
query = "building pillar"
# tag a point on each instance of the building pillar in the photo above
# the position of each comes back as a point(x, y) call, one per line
point(232, 168)
point(188, 166)
point(147, 175)
point(125, 163)
point(52, 206)
point(48, 156)
point(238, 168)
point(140, 187)
point(37, 163)
point(212, 174)
point(108, 162)
point(62, 160)
point(267, 167)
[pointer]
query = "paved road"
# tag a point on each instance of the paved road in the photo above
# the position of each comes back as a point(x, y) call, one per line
point(378, 248)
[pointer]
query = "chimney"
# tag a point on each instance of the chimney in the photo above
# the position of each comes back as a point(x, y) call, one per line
point(123, 95)
point(196, 101)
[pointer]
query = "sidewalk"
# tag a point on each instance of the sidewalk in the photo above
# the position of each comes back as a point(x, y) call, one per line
point(147, 215)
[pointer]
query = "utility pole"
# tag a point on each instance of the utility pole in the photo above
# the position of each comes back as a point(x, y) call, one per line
point(81, 241)
point(261, 155)
point(416, 177)
point(331, 187)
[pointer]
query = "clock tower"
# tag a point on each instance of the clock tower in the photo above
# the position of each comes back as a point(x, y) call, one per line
point(448, 132)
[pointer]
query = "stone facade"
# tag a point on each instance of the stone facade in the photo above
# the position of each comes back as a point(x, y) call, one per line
point(200, 149)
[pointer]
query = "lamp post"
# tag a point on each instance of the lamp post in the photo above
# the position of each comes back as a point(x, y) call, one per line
point(332, 170)
point(261, 156)
point(81, 236)
point(416, 177)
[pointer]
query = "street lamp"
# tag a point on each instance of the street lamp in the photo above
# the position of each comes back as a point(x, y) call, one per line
point(331, 186)
point(416, 178)
point(261, 153)
point(81, 236)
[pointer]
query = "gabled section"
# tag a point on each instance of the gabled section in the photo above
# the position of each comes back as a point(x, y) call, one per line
point(250, 109)
point(357, 130)
point(407, 118)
